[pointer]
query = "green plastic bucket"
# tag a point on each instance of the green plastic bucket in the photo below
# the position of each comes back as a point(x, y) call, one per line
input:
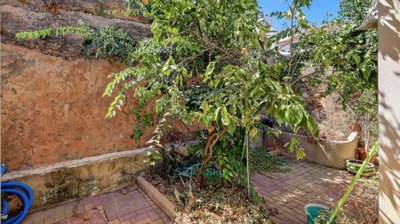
point(313, 211)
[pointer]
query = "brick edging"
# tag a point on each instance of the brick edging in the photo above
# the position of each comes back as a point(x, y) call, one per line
point(159, 199)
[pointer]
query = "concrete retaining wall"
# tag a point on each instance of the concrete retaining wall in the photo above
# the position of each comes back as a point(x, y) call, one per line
point(60, 182)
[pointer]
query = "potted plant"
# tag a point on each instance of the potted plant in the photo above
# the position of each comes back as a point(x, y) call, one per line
point(317, 213)
point(366, 111)
point(354, 165)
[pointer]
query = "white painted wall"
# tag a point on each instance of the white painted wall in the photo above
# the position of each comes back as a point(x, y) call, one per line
point(389, 110)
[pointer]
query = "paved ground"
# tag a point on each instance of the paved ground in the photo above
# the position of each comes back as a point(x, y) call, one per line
point(127, 206)
point(286, 194)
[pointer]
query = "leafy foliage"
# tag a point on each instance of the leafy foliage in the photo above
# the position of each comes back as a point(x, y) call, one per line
point(347, 56)
point(104, 42)
point(207, 61)
point(110, 42)
point(343, 56)
point(261, 161)
point(227, 165)
point(367, 109)
point(339, 56)
point(45, 33)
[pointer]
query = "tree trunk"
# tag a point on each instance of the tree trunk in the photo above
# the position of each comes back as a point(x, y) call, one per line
point(212, 139)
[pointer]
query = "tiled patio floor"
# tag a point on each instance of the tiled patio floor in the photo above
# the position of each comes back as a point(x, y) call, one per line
point(286, 194)
point(127, 206)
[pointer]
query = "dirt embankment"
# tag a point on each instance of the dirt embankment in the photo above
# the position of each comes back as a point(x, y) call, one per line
point(52, 106)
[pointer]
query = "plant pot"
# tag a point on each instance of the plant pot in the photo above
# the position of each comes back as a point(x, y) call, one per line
point(356, 127)
point(362, 155)
point(354, 165)
point(313, 212)
point(376, 162)
point(373, 159)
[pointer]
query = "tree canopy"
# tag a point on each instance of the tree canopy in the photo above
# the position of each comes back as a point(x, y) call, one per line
point(208, 61)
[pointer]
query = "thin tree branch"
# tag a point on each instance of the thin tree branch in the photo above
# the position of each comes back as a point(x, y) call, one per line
point(304, 76)
point(292, 11)
point(207, 42)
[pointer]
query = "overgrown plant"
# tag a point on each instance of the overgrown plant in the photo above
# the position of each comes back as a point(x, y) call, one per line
point(295, 33)
point(207, 61)
point(218, 49)
point(338, 56)
point(342, 55)
point(367, 110)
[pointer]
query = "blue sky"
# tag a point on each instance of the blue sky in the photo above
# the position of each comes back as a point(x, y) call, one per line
point(316, 13)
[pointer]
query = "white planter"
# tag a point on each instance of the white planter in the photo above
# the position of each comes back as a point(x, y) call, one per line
point(325, 152)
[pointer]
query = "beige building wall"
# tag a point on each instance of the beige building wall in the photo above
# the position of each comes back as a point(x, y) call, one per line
point(389, 110)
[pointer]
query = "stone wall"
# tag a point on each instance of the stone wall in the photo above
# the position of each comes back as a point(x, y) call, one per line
point(52, 107)
point(74, 179)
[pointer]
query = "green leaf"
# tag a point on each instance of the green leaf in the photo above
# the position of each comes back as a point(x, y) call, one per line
point(156, 157)
point(225, 117)
point(253, 132)
point(300, 153)
point(216, 113)
point(232, 127)
point(209, 70)
point(366, 70)
point(357, 59)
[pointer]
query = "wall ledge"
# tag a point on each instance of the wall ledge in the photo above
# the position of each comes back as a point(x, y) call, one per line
point(45, 169)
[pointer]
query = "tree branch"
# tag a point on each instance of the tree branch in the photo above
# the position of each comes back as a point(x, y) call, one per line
point(304, 76)
point(207, 42)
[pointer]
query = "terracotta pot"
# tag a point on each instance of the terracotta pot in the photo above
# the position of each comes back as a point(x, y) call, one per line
point(373, 159)
point(376, 162)
point(356, 127)
point(362, 154)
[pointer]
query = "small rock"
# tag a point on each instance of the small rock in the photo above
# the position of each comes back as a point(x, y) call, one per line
point(182, 150)
point(86, 217)
point(124, 191)
point(305, 95)
point(161, 189)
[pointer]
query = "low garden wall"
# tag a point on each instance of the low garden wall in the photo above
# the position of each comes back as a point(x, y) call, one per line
point(70, 180)
point(324, 152)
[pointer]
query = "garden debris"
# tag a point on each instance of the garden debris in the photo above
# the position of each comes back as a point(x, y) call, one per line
point(214, 204)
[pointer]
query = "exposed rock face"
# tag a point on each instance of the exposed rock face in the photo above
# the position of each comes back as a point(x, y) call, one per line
point(94, 7)
point(52, 108)
point(18, 17)
point(52, 105)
